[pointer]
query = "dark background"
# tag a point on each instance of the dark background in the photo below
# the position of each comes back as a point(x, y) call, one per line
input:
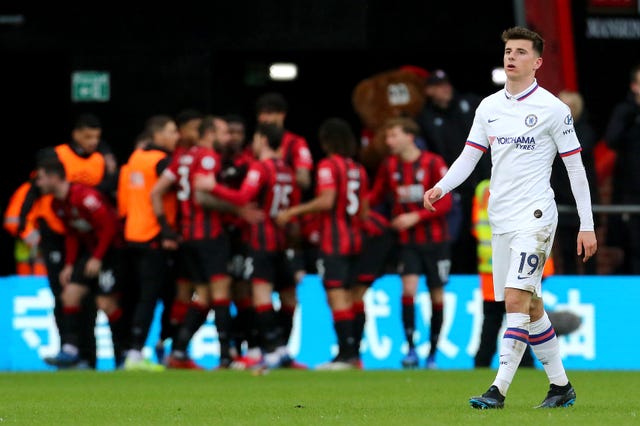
point(214, 58)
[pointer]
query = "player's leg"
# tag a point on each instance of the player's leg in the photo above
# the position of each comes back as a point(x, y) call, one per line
point(217, 252)
point(545, 345)
point(437, 264)
point(221, 303)
point(286, 287)
point(507, 266)
point(335, 271)
point(371, 263)
point(152, 272)
point(410, 266)
point(262, 278)
point(493, 313)
point(71, 298)
point(198, 308)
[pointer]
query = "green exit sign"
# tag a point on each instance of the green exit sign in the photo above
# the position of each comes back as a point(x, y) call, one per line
point(90, 86)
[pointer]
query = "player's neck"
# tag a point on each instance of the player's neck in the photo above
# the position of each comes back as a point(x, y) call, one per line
point(410, 154)
point(60, 193)
point(515, 87)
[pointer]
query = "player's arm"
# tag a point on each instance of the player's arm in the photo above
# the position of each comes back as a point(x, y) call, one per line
point(437, 173)
point(380, 185)
point(109, 183)
point(163, 185)
point(322, 202)
point(303, 164)
point(586, 241)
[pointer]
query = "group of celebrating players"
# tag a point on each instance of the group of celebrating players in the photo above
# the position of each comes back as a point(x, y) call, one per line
point(203, 220)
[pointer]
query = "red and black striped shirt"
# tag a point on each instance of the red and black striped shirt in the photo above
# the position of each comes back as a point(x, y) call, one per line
point(341, 227)
point(196, 223)
point(406, 182)
point(295, 152)
point(271, 184)
point(91, 222)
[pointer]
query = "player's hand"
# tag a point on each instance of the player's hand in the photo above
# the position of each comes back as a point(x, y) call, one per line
point(251, 213)
point(92, 268)
point(283, 218)
point(65, 275)
point(204, 182)
point(169, 238)
point(405, 221)
point(587, 244)
point(431, 196)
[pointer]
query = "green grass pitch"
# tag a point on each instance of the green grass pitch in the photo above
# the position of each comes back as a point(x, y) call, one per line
point(416, 397)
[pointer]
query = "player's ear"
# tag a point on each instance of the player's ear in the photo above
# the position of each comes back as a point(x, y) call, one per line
point(538, 63)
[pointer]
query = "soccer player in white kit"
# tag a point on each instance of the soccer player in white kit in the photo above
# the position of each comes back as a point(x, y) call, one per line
point(524, 126)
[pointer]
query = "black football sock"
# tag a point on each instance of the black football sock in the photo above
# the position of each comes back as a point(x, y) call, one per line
point(436, 327)
point(223, 325)
point(408, 319)
point(267, 323)
point(193, 320)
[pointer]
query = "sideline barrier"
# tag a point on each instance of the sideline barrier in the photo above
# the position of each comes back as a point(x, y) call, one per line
point(605, 303)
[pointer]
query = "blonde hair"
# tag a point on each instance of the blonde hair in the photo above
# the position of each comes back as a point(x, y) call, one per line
point(574, 101)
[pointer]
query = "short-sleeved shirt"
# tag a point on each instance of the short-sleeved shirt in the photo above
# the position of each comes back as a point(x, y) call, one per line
point(341, 227)
point(295, 151)
point(196, 222)
point(524, 132)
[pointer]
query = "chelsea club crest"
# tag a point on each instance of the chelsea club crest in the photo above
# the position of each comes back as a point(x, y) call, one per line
point(530, 120)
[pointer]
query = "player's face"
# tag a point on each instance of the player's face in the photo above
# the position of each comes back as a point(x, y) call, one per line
point(189, 130)
point(440, 94)
point(396, 140)
point(222, 135)
point(258, 142)
point(520, 60)
point(236, 136)
point(168, 136)
point(88, 138)
point(271, 117)
point(44, 182)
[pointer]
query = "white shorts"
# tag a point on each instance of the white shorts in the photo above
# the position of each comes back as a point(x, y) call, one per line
point(519, 258)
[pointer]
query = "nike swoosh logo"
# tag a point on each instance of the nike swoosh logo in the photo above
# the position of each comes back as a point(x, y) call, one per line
point(491, 121)
point(523, 278)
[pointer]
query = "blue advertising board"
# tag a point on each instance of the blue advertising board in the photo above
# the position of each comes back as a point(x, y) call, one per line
point(603, 303)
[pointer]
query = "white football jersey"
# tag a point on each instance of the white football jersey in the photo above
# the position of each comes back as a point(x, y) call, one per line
point(523, 132)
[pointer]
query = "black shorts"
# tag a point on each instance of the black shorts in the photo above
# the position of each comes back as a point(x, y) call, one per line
point(337, 271)
point(375, 258)
point(205, 260)
point(305, 258)
point(109, 281)
point(270, 267)
point(431, 260)
point(238, 254)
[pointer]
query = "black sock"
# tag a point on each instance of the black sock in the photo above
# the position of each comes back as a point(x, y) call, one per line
point(71, 325)
point(359, 321)
point(267, 323)
point(436, 326)
point(343, 324)
point(193, 320)
point(118, 327)
point(408, 319)
point(285, 320)
point(223, 326)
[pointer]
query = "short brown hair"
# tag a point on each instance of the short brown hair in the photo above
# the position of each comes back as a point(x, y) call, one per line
point(407, 125)
point(521, 33)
